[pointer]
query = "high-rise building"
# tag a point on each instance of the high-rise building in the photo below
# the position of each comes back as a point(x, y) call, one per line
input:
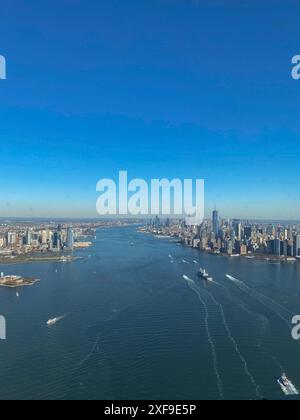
point(28, 238)
point(57, 240)
point(238, 229)
point(11, 238)
point(44, 237)
point(70, 239)
point(297, 246)
point(215, 222)
point(247, 232)
point(277, 247)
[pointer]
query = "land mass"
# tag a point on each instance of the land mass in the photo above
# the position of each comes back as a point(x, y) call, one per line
point(16, 281)
point(26, 259)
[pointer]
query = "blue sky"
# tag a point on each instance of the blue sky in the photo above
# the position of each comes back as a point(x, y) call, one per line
point(161, 88)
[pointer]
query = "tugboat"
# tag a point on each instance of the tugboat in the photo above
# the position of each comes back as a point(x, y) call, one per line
point(204, 275)
point(287, 386)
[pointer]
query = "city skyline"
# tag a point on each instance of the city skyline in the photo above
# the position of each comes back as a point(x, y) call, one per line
point(216, 235)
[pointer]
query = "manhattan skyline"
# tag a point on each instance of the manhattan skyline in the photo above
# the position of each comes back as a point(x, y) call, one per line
point(160, 90)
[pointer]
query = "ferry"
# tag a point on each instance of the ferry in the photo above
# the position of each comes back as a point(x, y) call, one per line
point(204, 275)
point(52, 321)
point(288, 388)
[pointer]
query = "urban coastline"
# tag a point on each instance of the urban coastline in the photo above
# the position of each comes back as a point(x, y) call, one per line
point(43, 242)
point(257, 240)
point(38, 242)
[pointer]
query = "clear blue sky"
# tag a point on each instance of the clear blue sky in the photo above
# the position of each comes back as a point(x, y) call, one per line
point(162, 88)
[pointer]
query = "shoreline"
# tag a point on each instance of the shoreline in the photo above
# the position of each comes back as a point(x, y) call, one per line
point(258, 257)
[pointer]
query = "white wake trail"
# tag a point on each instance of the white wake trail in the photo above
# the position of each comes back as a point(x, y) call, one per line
point(94, 348)
point(263, 296)
point(259, 297)
point(265, 323)
point(235, 345)
point(242, 305)
point(192, 286)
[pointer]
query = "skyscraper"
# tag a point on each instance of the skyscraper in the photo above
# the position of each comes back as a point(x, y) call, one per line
point(70, 239)
point(56, 241)
point(297, 246)
point(215, 222)
point(28, 238)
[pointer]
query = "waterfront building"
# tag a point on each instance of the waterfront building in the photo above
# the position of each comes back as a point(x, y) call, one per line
point(70, 239)
point(297, 246)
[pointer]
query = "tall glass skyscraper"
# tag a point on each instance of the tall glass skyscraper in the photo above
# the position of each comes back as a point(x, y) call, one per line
point(70, 239)
point(215, 222)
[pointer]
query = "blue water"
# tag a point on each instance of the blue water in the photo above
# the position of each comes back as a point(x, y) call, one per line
point(134, 328)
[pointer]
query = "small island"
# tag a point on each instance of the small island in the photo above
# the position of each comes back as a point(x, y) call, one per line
point(16, 281)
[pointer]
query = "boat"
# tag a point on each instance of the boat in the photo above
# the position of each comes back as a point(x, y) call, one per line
point(288, 388)
point(52, 321)
point(204, 275)
point(18, 294)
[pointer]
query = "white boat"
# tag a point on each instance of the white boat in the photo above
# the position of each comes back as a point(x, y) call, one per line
point(52, 321)
point(204, 275)
point(18, 294)
point(288, 388)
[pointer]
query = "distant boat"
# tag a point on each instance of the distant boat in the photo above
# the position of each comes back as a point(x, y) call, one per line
point(18, 294)
point(288, 388)
point(204, 275)
point(52, 321)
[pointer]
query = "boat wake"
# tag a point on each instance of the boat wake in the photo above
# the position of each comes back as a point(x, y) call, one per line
point(192, 286)
point(269, 303)
point(264, 322)
point(90, 354)
point(171, 259)
point(235, 345)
